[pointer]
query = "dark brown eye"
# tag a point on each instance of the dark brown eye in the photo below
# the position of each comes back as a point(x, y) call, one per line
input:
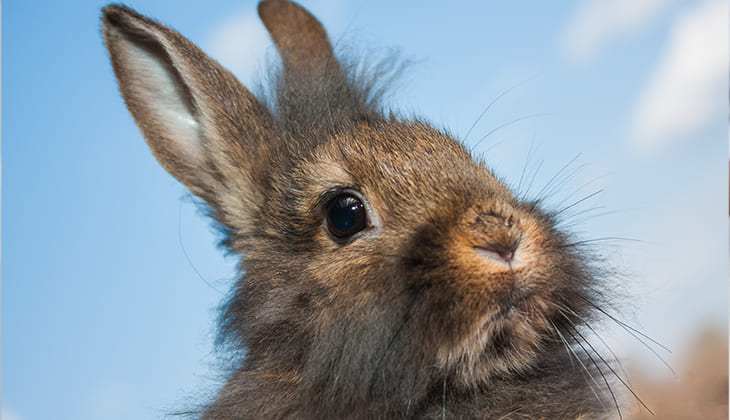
point(345, 215)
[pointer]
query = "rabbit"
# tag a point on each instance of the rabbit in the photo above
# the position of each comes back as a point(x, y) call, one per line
point(384, 272)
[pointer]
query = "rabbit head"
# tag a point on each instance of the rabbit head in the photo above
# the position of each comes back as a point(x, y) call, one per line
point(380, 261)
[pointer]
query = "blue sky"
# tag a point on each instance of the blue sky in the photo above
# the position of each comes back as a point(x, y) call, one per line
point(111, 277)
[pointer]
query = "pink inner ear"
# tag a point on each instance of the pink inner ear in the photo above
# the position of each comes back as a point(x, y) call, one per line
point(166, 99)
point(153, 89)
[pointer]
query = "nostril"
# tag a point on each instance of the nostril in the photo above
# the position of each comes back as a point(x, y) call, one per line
point(504, 252)
point(498, 252)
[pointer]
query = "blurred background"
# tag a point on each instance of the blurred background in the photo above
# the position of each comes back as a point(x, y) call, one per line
point(111, 278)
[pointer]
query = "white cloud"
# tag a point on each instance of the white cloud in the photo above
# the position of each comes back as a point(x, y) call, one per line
point(689, 85)
point(9, 414)
point(596, 22)
point(108, 400)
point(239, 43)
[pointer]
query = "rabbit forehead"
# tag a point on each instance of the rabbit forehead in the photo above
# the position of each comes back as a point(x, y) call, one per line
point(394, 160)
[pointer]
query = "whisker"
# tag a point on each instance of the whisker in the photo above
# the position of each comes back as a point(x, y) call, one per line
point(487, 108)
point(572, 354)
point(557, 174)
point(579, 189)
point(574, 216)
point(628, 328)
point(595, 364)
point(568, 350)
point(573, 221)
point(589, 241)
point(578, 202)
point(534, 175)
point(608, 365)
point(561, 309)
point(610, 350)
point(527, 162)
point(185, 252)
point(561, 182)
point(507, 124)
point(576, 221)
point(586, 372)
point(489, 149)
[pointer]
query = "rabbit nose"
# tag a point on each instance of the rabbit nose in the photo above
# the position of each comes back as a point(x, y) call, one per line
point(498, 252)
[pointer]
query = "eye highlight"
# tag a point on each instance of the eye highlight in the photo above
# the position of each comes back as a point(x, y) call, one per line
point(345, 215)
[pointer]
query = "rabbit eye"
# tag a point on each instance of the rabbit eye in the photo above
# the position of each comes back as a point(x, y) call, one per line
point(345, 215)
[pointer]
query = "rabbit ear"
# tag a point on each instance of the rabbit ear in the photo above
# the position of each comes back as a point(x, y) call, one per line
point(301, 40)
point(202, 125)
point(315, 93)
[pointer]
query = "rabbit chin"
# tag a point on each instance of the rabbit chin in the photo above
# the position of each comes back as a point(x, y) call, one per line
point(506, 341)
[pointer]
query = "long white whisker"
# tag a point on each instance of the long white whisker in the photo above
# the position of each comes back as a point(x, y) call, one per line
point(608, 365)
point(600, 371)
point(570, 351)
point(635, 333)
point(527, 162)
point(586, 372)
point(557, 174)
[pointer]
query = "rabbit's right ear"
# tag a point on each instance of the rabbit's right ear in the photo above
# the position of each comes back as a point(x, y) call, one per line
point(302, 42)
point(202, 125)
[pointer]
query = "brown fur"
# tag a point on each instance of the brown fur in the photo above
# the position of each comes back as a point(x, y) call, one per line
point(457, 300)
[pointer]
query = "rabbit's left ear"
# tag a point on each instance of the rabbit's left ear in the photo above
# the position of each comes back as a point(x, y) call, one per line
point(202, 125)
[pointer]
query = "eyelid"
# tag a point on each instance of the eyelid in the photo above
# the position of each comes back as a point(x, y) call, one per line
point(328, 195)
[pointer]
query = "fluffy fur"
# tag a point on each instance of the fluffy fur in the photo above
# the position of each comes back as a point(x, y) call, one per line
point(457, 300)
